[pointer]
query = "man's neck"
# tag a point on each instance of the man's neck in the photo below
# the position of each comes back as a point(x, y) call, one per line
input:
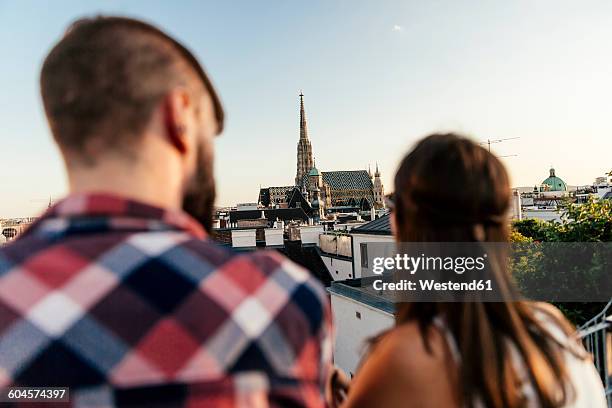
point(151, 185)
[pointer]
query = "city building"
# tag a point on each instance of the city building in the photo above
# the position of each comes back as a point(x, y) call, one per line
point(333, 191)
point(379, 189)
point(12, 228)
point(348, 253)
point(359, 314)
point(553, 186)
point(369, 241)
point(547, 201)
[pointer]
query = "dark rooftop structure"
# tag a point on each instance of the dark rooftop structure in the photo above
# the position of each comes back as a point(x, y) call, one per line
point(361, 290)
point(380, 226)
point(309, 257)
point(343, 208)
point(271, 214)
point(291, 196)
point(266, 193)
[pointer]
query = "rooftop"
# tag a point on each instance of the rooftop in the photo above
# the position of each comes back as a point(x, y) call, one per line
point(313, 172)
point(554, 183)
point(361, 291)
point(380, 226)
point(348, 179)
point(271, 214)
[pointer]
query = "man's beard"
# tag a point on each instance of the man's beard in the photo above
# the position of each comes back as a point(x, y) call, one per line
point(199, 199)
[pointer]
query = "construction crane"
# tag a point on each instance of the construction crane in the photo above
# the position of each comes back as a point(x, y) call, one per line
point(489, 142)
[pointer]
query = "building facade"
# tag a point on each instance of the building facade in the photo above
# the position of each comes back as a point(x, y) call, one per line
point(326, 191)
point(379, 189)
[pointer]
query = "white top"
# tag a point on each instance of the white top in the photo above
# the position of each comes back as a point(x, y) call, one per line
point(587, 386)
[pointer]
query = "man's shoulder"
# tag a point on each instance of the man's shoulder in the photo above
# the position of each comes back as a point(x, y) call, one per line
point(253, 269)
point(5, 263)
point(18, 251)
point(283, 271)
point(267, 280)
point(267, 264)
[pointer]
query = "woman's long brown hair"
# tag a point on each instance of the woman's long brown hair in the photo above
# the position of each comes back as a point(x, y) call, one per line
point(445, 188)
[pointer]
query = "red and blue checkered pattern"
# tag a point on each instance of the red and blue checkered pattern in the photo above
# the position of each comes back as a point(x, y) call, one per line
point(132, 305)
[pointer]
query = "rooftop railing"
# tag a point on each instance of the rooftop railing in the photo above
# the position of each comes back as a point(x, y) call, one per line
point(596, 335)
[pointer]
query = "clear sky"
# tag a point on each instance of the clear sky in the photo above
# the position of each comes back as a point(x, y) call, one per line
point(376, 75)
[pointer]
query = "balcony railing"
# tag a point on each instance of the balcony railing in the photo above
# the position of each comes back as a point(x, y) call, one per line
point(596, 335)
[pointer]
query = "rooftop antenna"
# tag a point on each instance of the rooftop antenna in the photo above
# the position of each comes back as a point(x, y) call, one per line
point(489, 142)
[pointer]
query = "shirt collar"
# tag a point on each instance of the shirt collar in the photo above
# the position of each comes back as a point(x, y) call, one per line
point(118, 212)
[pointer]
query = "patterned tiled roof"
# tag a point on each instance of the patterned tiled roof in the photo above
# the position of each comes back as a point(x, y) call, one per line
point(348, 180)
point(343, 181)
point(281, 190)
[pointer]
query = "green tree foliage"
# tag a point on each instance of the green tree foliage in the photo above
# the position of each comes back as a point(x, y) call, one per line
point(532, 229)
point(546, 267)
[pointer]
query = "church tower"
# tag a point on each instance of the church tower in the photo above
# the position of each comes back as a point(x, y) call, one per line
point(379, 190)
point(304, 148)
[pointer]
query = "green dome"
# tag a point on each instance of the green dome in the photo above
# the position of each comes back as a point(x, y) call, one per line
point(313, 172)
point(553, 183)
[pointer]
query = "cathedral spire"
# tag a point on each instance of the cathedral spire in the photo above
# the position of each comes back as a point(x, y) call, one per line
point(305, 161)
point(303, 127)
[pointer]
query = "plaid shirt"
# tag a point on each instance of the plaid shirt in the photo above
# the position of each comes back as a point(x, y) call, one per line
point(132, 305)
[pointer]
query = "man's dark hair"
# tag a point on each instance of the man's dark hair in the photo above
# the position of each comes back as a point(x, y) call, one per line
point(103, 79)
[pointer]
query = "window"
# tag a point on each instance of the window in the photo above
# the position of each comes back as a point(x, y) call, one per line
point(9, 233)
point(363, 247)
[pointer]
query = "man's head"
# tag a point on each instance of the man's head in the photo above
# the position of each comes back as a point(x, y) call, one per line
point(117, 90)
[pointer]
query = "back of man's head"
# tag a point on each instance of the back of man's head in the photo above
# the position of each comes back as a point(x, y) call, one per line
point(102, 81)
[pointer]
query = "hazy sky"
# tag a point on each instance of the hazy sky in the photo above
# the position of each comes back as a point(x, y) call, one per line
point(376, 75)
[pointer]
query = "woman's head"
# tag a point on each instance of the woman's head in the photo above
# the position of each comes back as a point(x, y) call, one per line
point(450, 189)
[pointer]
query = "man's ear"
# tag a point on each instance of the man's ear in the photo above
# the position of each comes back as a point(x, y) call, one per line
point(174, 116)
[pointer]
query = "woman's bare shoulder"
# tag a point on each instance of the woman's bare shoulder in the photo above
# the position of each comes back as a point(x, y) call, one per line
point(411, 349)
point(403, 368)
point(547, 308)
